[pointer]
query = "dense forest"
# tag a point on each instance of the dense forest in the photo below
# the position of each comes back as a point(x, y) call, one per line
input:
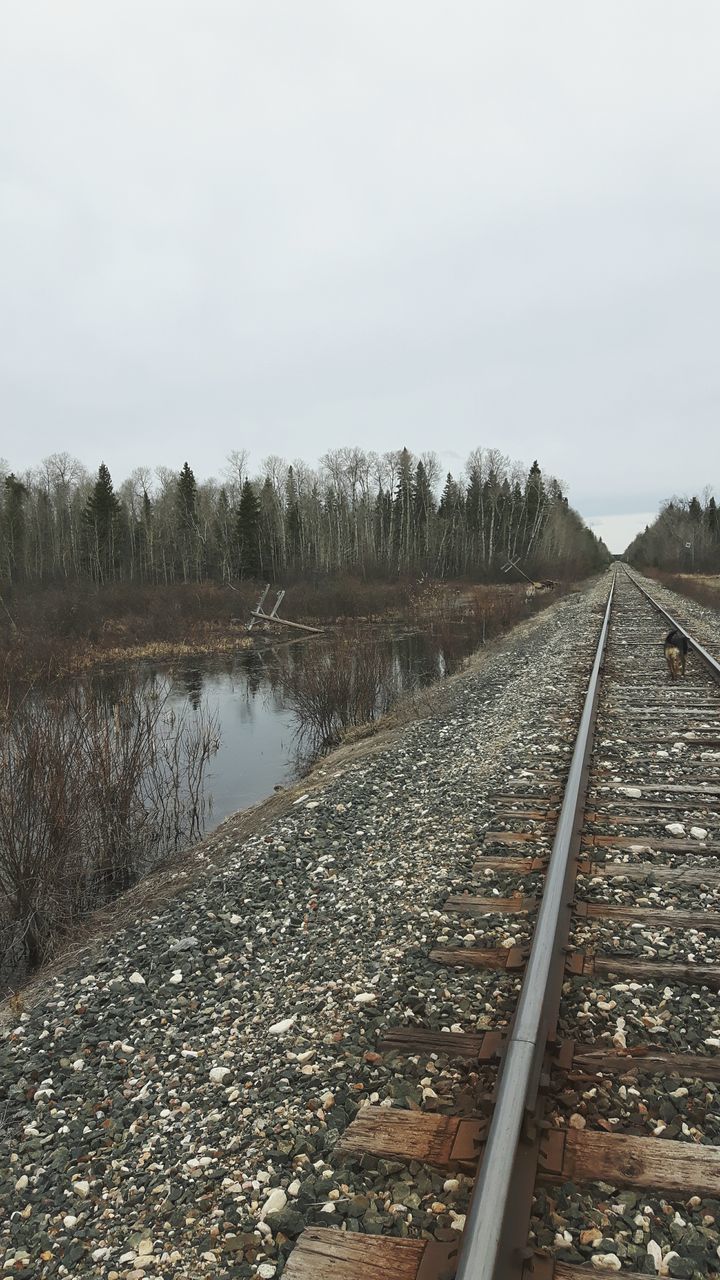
point(685, 538)
point(358, 512)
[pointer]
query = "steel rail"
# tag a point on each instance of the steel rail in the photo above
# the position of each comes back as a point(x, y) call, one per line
point(495, 1233)
point(697, 648)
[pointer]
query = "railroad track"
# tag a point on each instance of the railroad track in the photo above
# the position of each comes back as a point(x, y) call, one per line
point(625, 927)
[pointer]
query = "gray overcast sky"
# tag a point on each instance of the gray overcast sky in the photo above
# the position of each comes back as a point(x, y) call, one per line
point(288, 226)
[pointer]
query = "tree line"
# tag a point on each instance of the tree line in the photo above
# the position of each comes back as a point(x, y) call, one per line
point(684, 537)
point(356, 513)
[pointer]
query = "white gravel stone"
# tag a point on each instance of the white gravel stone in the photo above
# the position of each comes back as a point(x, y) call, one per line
point(219, 1075)
point(653, 1248)
point(274, 1203)
point(136, 979)
point(279, 1028)
point(698, 833)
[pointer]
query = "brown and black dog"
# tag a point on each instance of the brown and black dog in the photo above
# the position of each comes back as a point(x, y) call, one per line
point(676, 648)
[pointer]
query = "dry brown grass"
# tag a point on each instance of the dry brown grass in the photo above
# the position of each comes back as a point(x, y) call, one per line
point(704, 588)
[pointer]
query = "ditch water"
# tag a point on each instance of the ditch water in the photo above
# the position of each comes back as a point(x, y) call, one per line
point(264, 742)
point(145, 760)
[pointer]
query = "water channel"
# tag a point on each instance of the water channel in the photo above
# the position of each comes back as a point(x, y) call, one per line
point(262, 743)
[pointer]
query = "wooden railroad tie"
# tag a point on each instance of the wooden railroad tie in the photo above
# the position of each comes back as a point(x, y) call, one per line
point(470, 904)
point(577, 963)
point(453, 1143)
point(632, 842)
point(634, 819)
point(707, 787)
point(608, 966)
point(324, 1253)
point(486, 1049)
point(608, 842)
point(610, 870)
point(684, 875)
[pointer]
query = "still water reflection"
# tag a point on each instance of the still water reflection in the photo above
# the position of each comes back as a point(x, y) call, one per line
point(262, 744)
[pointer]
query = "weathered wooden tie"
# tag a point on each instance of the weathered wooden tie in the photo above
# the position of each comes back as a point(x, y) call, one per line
point(324, 1253)
point(707, 787)
point(649, 842)
point(480, 957)
point(469, 904)
point(520, 866)
point(487, 1048)
point(447, 1142)
point(602, 965)
point(684, 875)
point(678, 1168)
point(608, 966)
point(636, 819)
point(645, 1060)
point(704, 921)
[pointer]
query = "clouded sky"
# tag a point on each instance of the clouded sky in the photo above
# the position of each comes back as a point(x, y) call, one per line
point(289, 226)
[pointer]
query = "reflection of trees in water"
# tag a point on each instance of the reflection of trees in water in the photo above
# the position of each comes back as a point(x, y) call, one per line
point(191, 679)
point(252, 668)
point(357, 676)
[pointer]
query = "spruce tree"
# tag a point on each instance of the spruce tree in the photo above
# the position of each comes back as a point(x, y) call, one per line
point(14, 521)
point(403, 510)
point(186, 498)
point(473, 499)
point(248, 530)
point(293, 528)
point(423, 507)
point(101, 517)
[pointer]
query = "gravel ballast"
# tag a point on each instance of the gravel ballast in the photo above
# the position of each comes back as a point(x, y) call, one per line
point(172, 1099)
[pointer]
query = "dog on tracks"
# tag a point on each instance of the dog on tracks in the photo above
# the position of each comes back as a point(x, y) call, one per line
point(675, 649)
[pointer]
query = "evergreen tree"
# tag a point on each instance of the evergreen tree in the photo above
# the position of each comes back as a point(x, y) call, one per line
point(188, 539)
point(449, 500)
point(186, 498)
point(534, 502)
point(293, 537)
point(248, 532)
point(14, 530)
point(423, 509)
point(473, 499)
point(403, 510)
point(146, 536)
point(102, 514)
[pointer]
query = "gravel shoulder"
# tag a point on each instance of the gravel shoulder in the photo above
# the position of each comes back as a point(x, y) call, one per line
point(701, 620)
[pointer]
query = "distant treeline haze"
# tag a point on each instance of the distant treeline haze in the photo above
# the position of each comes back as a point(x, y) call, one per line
point(684, 537)
point(357, 513)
